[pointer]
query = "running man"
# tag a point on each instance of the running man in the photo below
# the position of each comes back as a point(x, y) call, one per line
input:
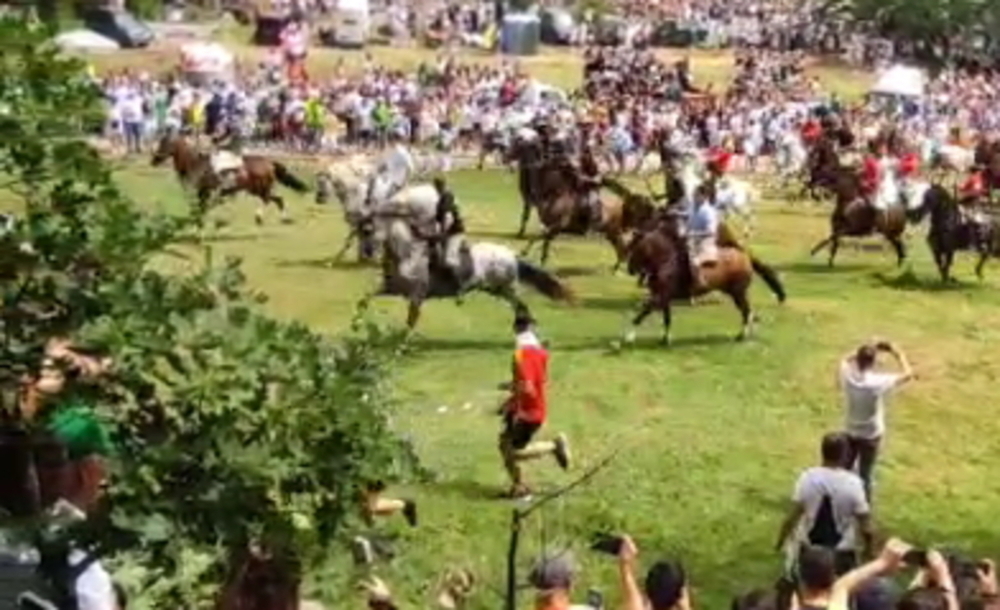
point(525, 410)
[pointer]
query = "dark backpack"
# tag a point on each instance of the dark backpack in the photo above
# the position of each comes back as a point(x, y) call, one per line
point(824, 531)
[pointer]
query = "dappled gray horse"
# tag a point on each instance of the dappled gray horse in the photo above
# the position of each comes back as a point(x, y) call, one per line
point(485, 267)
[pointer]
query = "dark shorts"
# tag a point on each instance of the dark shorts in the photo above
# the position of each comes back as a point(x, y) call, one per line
point(520, 433)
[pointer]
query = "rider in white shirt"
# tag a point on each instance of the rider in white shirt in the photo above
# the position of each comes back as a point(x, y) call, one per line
point(394, 170)
point(702, 233)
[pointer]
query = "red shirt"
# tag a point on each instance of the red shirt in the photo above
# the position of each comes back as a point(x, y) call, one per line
point(720, 160)
point(870, 174)
point(973, 185)
point(909, 164)
point(530, 374)
point(811, 131)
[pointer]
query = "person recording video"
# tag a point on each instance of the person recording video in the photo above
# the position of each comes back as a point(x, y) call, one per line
point(665, 588)
point(865, 390)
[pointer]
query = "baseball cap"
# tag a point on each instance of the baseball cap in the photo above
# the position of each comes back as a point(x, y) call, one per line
point(553, 571)
point(83, 433)
point(665, 584)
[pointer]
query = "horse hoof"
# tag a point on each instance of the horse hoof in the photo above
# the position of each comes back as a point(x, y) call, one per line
point(629, 338)
point(258, 221)
point(287, 221)
point(666, 340)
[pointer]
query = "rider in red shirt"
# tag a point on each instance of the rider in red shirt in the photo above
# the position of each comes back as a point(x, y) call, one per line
point(870, 171)
point(719, 160)
point(909, 165)
point(811, 131)
point(973, 188)
point(526, 409)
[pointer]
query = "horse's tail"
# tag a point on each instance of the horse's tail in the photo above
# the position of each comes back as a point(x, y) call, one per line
point(770, 277)
point(543, 281)
point(287, 178)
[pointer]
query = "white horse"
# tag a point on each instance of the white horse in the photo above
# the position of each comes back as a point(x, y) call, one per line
point(736, 197)
point(486, 267)
point(955, 158)
point(791, 156)
point(350, 185)
point(686, 166)
point(887, 193)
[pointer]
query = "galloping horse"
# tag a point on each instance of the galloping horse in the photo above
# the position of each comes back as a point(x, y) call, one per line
point(987, 155)
point(490, 268)
point(826, 171)
point(662, 256)
point(254, 174)
point(556, 191)
point(857, 217)
point(951, 231)
point(349, 184)
point(681, 170)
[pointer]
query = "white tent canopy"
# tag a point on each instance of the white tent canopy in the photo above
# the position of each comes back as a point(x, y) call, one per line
point(206, 61)
point(85, 40)
point(902, 81)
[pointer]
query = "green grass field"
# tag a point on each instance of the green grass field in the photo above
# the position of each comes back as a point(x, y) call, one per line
point(714, 432)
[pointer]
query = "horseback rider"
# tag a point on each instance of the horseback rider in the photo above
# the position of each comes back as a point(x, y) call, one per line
point(970, 193)
point(702, 236)
point(719, 160)
point(445, 250)
point(589, 175)
point(395, 167)
point(871, 171)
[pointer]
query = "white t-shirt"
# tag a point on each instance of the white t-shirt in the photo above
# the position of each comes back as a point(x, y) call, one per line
point(94, 590)
point(864, 400)
point(847, 497)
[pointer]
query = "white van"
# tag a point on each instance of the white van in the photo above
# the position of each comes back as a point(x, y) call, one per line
point(351, 22)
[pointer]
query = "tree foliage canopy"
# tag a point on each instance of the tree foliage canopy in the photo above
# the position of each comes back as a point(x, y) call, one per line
point(949, 25)
point(232, 428)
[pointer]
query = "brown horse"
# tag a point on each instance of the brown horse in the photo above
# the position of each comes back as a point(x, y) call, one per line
point(558, 192)
point(827, 172)
point(661, 255)
point(987, 156)
point(854, 217)
point(257, 175)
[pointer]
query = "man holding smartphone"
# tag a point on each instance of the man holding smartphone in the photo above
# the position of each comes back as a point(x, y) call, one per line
point(865, 390)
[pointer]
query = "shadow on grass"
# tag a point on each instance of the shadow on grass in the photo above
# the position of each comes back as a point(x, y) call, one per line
point(219, 239)
point(910, 282)
point(469, 490)
point(818, 266)
point(433, 344)
point(574, 271)
point(630, 303)
point(491, 234)
point(323, 263)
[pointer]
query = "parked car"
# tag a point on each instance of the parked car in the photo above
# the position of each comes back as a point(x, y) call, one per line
point(120, 26)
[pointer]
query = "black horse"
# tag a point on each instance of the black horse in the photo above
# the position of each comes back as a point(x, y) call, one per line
point(952, 229)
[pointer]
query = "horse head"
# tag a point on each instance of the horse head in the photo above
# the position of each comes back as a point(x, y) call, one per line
point(170, 145)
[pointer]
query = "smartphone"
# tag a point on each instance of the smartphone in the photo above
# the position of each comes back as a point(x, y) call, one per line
point(607, 544)
point(595, 600)
point(916, 558)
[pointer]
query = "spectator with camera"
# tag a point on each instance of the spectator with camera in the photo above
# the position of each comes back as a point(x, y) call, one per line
point(865, 391)
point(70, 484)
point(829, 509)
point(933, 586)
point(666, 586)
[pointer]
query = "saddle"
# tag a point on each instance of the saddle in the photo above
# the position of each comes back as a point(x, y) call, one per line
point(225, 161)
